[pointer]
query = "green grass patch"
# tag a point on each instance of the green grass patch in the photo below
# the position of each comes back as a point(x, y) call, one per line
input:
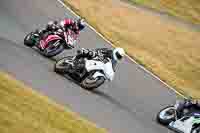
point(23, 110)
point(188, 10)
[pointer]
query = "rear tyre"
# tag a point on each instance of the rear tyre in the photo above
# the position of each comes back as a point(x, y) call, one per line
point(166, 115)
point(28, 40)
point(90, 83)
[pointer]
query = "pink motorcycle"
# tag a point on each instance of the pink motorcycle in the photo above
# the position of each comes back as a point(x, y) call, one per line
point(51, 44)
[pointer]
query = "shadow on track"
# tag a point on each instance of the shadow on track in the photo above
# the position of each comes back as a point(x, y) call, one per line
point(10, 43)
point(113, 101)
point(103, 95)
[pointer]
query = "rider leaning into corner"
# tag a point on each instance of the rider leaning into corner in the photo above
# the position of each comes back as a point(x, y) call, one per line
point(114, 55)
point(64, 26)
point(184, 105)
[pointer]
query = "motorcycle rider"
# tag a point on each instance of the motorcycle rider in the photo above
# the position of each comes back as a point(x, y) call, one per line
point(183, 106)
point(64, 26)
point(104, 54)
point(76, 26)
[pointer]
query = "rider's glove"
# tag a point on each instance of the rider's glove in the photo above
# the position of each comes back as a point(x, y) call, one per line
point(92, 54)
point(82, 51)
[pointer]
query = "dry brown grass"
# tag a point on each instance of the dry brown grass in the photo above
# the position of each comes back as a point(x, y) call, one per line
point(170, 50)
point(25, 111)
point(188, 10)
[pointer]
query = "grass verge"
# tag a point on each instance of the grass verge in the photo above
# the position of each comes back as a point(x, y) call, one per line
point(23, 110)
point(166, 48)
point(189, 10)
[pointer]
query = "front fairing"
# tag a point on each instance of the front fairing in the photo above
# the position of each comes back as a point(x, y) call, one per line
point(107, 68)
point(182, 125)
point(52, 37)
point(91, 65)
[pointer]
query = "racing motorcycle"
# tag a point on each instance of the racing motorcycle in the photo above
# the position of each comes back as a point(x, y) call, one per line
point(52, 43)
point(187, 121)
point(94, 73)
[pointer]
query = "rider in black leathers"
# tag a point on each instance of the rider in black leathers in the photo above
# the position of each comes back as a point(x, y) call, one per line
point(100, 53)
point(184, 106)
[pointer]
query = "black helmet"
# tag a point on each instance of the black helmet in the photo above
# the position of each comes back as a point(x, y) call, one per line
point(81, 24)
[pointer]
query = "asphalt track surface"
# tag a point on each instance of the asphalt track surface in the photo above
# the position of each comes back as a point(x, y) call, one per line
point(127, 105)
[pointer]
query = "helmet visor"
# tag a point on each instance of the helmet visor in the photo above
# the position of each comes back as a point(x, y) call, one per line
point(81, 27)
point(119, 56)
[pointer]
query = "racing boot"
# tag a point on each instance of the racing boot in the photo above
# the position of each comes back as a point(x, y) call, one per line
point(79, 66)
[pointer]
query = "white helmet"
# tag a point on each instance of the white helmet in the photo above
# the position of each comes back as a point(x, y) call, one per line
point(118, 53)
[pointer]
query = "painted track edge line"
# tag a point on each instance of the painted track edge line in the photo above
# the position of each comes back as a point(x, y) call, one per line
point(140, 66)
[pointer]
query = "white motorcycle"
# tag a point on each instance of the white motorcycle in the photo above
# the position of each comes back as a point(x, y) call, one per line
point(94, 74)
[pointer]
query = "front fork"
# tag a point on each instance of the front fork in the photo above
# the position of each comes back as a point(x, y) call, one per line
point(176, 116)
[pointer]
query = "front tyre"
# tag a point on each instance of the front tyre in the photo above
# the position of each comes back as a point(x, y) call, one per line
point(90, 83)
point(166, 115)
point(28, 40)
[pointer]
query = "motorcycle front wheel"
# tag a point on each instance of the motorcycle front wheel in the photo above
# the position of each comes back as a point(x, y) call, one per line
point(166, 115)
point(90, 83)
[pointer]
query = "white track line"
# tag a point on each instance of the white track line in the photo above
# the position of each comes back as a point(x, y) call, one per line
point(143, 68)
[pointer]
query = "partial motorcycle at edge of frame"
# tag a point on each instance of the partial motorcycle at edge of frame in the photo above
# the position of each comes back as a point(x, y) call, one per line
point(186, 122)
